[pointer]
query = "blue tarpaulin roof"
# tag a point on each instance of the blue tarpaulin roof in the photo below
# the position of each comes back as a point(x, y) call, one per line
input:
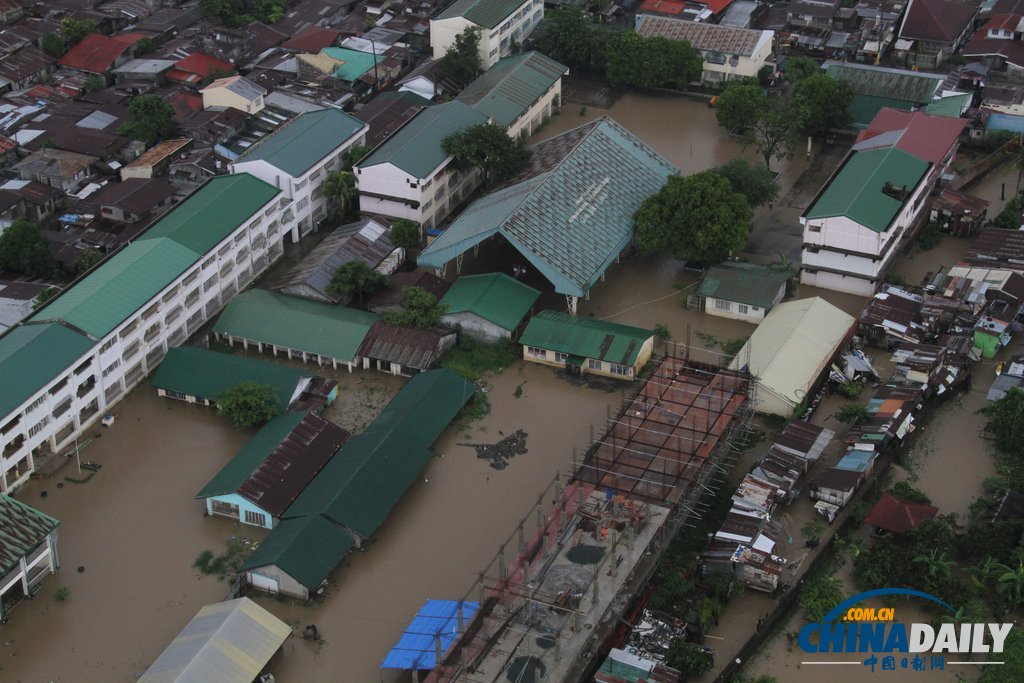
point(417, 648)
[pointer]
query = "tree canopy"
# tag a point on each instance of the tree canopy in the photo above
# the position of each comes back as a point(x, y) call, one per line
point(768, 122)
point(53, 45)
point(756, 183)
point(699, 218)
point(800, 68)
point(1006, 421)
point(656, 62)
point(462, 60)
point(405, 234)
point(74, 30)
point(87, 259)
point(419, 309)
point(824, 103)
point(488, 147)
point(248, 404)
point(24, 249)
point(339, 188)
point(236, 13)
point(150, 118)
point(357, 278)
point(353, 156)
point(567, 36)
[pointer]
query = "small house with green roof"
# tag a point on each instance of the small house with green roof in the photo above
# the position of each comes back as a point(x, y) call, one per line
point(586, 346)
point(28, 552)
point(742, 291)
point(489, 307)
point(407, 175)
point(259, 483)
point(298, 329)
point(503, 25)
point(296, 159)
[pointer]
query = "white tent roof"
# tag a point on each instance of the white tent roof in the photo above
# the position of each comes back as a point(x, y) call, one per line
point(792, 345)
point(225, 642)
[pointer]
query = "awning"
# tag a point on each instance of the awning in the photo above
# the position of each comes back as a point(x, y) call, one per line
point(903, 44)
point(434, 628)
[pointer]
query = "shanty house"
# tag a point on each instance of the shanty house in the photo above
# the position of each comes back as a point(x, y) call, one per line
point(98, 54)
point(404, 351)
point(835, 486)
point(502, 25)
point(296, 159)
point(28, 552)
point(790, 350)
point(234, 91)
point(586, 345)
point(729, 53)
point(156, 160)
point(936, 29)
point(56, 168)
point(488, 307)
point(898, 516)
point(742, 291)
point(293, 328)
point(268, 474)
point(228, 641)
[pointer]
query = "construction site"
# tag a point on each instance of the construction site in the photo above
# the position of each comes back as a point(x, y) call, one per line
point(544, 606)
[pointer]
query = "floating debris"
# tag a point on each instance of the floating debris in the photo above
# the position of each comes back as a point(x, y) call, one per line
point(500, 453)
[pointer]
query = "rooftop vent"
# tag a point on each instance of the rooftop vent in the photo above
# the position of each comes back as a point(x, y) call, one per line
point(895, 191)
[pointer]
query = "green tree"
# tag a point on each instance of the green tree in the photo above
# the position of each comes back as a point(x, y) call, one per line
point(818, 596)
point(74, 30)
point(357, 278)
point(339, 188)
point(650, 62)
point(770, 123)
point(248, 404)
point(24, 249)
point(1012, 669)
point(1006, 420)
point(87, 259)
point(488, 147)
point(44, 296)
point(689, 659)
point(624, 55)
point(53, 45)
point(756, 183)
point(1010, 584)
point(935, 564)
point(824, 103)
point(150, 118)
point(145, 46)
point(354, 156)
point(798, 69)
point(236, 13)
point(738, 106)
point(1010, 217)
point(405, 234)
point(462, 60)
point(699, 218)
point(566, 35)
point(419, 309)
point(93, 83)
point(852, 414)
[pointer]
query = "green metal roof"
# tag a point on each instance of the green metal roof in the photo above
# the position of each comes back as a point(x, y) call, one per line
point(31, 356)
point(301, 143)
point(864, 108)
point(899, 84)
point(493, 296)
point(356, 63)
point(307, 549)
point(204, 373)
point(22, 529)
point(856, 190)
point(416, 147)
point(510, 87)
point(486, 13)
point(300, 324)
point(361, 484)
point(120, 286)
point(213, 211)
point(247, 460)
point(571, 212)
point(585, 337)
point(746, 283)
point(952, 106)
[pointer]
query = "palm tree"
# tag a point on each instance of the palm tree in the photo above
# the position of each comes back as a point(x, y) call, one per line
point(1010, 583)
point(983, 572)
point(936, 563)
point(339, 188)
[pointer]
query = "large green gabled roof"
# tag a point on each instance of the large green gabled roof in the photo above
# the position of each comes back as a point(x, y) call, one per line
point(22, 529)
point(307, 549)
point(492, 296)
point(416, 147)
point(486, 13)
point(291, 322)
point(510, 87)
point(213, 212)
point(302, 142)
point(856, 191)
point(31, 356)
point(204, 373)
point(586, 337)
point(570, 214)
point(914, 87)
point(122, 285)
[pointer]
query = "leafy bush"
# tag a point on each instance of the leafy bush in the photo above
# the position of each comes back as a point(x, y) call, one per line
point(689, 659)
point(820, 595)
point(852, 414)
point(1009, 218)
point(851, 390)
point(902, 489)
point(472, 360)
point(248, 404)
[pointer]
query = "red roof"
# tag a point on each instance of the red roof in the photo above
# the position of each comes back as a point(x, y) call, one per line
point(185, 104)
point(923, 135)
point(96, 54)
point(200, 64)
point(980, 46)
point(1006, 22)
point(941, 21)
point(676, 7)
point(312, 40)
point(897, 515)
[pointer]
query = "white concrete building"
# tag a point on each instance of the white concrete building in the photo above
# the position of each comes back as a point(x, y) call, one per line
point(408, 175)
point(65, 367)
point(502, 24)
point(296, 159)
point(729, 53)
point(28, 553)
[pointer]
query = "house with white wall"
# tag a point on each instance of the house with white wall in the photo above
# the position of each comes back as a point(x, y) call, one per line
point(77, 356)
point(742, 291)
point(729, 53)
point(502, 25)
point(296, 159)
point(234, 91)
point(409, 175)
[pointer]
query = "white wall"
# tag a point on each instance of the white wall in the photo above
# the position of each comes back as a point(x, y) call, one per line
point(733, 310)
point(532, 118)
point(494, 43)
point(434, 196)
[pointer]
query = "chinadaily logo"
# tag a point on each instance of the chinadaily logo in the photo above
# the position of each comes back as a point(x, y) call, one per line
point(874, 638)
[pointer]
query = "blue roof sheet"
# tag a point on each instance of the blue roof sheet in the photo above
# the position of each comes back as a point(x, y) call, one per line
point(417, 648)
